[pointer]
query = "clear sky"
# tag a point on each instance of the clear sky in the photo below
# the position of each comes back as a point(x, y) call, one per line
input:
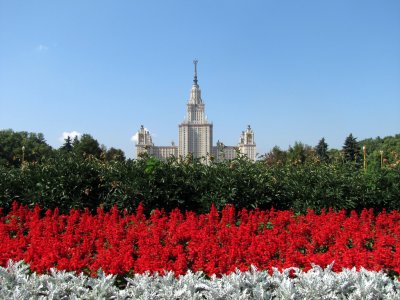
point(293, 70)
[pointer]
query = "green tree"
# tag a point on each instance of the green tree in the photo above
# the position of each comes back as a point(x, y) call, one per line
point(86, 146)
point(299, 153)
point(115, 154)
point(18, 146)
point(351, 149)
point(276, 156)
point(322, 150)
point(67, 146)
point(382, 151)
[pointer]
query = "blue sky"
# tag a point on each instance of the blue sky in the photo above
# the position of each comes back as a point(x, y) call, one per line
point(293, 70)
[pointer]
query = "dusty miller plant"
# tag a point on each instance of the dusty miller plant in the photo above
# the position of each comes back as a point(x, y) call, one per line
point(18, 282)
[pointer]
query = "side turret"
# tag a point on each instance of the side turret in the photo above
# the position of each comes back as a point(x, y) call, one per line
point(144, 142)
point(247, 145)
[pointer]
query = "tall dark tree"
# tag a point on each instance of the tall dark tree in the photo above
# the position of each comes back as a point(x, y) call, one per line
point(67, 146)
point(322, 150)
point(351, 149)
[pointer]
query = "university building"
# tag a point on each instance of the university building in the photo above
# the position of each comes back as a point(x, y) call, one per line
point(196, 135)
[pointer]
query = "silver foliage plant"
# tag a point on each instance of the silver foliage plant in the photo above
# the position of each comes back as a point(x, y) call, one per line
point(17, 282)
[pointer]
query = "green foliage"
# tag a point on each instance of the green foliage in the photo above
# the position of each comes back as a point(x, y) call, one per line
point(68, 181)
point(63, 181)
point(322, 150)
point(87, 146)
point(296, 179)
point(67, 146)
point(115, 154)
point(351, 149)
point(276, 156)
point(16, 147)
point(382, 152)
point(298, 153)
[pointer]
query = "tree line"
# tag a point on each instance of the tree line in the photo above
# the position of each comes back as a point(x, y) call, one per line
point(28, 147)
point(377, 153)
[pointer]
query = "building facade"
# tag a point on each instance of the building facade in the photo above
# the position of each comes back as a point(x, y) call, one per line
point(196, 135)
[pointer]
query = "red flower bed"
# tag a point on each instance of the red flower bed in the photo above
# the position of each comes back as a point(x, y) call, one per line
point(122, 243)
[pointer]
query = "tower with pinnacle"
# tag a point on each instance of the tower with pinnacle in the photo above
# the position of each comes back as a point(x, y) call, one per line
point(195, 132)
point(196, 135)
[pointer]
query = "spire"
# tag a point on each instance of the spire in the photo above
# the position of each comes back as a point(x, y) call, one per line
point(195, 94)
point(195, 61)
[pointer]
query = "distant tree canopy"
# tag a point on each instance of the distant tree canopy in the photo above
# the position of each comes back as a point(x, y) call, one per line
point(33, 148)
point(299, 153)
point(18, 146)
point(276, 156)
point(115, 154)
point(380, 152)
point(86, 146)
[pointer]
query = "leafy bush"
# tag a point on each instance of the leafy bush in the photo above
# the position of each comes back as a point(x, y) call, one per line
point(68, 181)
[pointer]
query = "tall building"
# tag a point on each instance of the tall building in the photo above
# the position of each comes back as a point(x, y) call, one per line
point(196, 135)
point(195, 132)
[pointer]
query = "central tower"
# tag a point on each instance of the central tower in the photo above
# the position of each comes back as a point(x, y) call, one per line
point(195, 132)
